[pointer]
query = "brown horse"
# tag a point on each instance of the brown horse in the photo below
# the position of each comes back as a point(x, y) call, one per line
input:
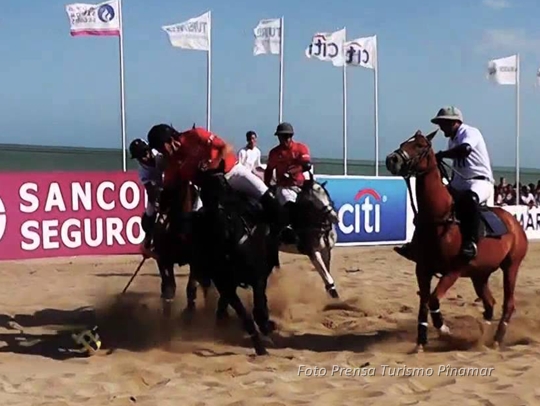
point(437, 240)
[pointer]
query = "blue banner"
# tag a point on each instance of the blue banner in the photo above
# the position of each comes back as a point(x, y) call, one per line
point(369, 209)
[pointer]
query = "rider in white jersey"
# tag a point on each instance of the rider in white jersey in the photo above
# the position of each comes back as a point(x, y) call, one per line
point(150, 171)
point(472, 179)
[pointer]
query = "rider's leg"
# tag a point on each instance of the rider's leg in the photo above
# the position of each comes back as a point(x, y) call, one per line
point(468, 207)
point(147, 223)
point(243, 180)
point(286, 197)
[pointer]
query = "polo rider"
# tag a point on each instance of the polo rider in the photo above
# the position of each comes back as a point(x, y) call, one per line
point(290, 159)
point(150, 171)
point(198, 149)
point(472, 180)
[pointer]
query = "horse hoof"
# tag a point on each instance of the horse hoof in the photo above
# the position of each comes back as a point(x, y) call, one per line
point(270, 327)
point(444, 331)
point(418, 349)
point(261, 351)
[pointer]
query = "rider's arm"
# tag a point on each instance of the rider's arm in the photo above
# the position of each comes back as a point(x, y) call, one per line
point(242, 155)
point(303, 161)
point(460, 152)
point(270, 166)
point(468, 139)
point(212, 140)
point(258, 161)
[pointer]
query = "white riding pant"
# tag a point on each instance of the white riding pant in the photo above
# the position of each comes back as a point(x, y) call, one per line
point(198, 204)
point(243, 180)
point(285, 194)
point(482, 188)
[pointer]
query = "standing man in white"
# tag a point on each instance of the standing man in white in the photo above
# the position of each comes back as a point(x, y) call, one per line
point(472, 180)
point(250, 155)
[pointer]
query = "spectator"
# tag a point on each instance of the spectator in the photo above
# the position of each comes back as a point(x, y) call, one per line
point(526, 197)
point(509, 196)
point(499, 195)
point(250, 155)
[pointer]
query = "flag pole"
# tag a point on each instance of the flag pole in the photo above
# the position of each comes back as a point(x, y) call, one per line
point(281, 48)
point(345, 114)
point(518, 74)
point(376, 97)
point(122, 86)
point(209, 73)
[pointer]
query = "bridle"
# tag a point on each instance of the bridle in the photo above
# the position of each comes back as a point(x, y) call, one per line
point(409, 166)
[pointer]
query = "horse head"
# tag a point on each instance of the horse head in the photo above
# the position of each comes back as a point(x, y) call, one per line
point(315, 195)
point(414, 157)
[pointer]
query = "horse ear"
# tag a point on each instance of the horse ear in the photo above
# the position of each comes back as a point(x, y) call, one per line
point(417, 133)
point(431, 135)
point(324, 183)
point(193, 126)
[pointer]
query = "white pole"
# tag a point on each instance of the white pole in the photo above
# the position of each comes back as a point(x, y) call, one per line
point(518, 74)
point(122, 91)
point(345, 113)
point(281, 48)
point(209, 74)
point(344, 119)
point(376, 96)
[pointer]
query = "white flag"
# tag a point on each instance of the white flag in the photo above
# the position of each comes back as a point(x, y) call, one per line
point(503, 71)
point(94, 19)
point(328, 46)
point(191, 34)
point(267, 37)
point(362, 52)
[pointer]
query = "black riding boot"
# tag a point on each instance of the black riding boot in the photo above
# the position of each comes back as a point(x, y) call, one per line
point(469, 222)
point(274, 213)
point(288, 235)
point(408, 250)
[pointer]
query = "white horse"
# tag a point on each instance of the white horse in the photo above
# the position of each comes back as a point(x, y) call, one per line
point(316, 229)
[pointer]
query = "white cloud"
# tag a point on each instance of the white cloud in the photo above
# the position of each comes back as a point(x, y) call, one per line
point(509, 41)
point(496, 4)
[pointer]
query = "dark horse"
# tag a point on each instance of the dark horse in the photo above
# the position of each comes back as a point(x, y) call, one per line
point(173, 242)
point(232, 247)
point(502, 241)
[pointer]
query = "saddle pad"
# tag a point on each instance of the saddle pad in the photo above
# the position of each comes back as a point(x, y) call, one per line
point(494, 225)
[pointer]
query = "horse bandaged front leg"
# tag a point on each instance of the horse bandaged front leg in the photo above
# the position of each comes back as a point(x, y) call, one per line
point(319, 264)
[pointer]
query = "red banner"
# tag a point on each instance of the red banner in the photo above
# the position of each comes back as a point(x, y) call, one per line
point(59, 214)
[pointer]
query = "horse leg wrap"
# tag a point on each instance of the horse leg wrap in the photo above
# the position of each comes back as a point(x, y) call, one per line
point(422, 333)
point(437, 318)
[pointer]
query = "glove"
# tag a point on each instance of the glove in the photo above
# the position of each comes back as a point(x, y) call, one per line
point(439, 156)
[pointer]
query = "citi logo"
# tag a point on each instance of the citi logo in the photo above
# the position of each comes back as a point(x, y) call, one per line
point(319, 47)
point(366, 213)
point(3, 219)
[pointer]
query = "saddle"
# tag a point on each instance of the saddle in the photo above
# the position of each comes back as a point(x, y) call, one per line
point(238, 214)
point(490, 225)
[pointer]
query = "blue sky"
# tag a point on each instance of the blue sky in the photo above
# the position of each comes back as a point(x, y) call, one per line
point(59, 90)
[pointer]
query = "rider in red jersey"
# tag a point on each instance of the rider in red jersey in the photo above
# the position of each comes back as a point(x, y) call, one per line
point(190, 151)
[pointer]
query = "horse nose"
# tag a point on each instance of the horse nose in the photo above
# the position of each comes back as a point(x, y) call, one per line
point(393, 163)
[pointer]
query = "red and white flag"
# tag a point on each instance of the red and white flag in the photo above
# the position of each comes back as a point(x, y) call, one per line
point(94, 19)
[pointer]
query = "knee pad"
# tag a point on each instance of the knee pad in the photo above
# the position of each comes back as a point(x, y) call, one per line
point(471, 196)
point(147, 223)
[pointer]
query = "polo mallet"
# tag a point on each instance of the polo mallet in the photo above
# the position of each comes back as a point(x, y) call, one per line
point(134, 275)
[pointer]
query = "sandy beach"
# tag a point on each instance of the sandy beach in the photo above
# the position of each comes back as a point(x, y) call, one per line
point(351, 352)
